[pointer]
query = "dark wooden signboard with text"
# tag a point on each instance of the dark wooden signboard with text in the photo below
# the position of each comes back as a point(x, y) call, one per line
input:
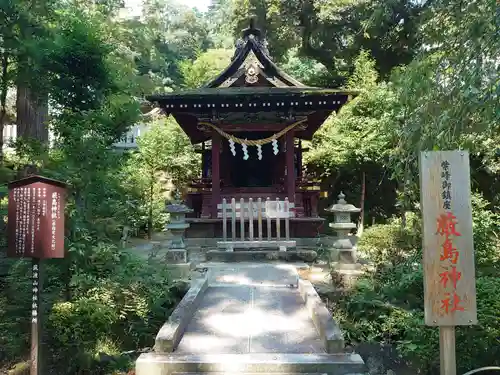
point(35, 229)
point(36, 218)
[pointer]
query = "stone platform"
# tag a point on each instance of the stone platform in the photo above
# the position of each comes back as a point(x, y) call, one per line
point(249, 319)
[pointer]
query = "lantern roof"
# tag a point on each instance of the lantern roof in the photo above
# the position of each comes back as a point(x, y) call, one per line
point(342, 206)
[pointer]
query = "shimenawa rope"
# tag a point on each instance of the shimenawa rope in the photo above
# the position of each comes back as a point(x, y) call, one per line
point(253, 142)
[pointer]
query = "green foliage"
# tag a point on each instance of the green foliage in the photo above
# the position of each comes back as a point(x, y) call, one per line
point(333, 32)
point(165, 147)
point(165, 157)
point(351, 143)
point(364, 75)
point(391, 243)
point(97, 299)
point(306, 70)
point(118, 303)
point(205, 67)
point(387, 305)
point(486, 229)
point(448, 96)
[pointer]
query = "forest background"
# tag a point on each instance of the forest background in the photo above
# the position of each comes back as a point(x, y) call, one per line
point(428, 75)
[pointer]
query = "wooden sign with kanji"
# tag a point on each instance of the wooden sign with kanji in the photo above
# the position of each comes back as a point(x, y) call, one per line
point(448, 249)
point(35, 225)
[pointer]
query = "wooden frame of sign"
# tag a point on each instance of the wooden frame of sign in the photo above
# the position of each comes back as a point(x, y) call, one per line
point(448, 249)
point(35, 229)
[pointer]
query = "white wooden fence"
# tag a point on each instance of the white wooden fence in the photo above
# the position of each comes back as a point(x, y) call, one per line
point(251, 212)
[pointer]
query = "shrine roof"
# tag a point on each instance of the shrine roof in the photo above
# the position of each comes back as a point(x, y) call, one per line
point(251, 85)
point(247, 92)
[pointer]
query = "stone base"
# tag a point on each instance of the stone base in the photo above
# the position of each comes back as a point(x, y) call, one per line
point(345, 275)
point(347, 256)
point(339, 266)
point(254, 363)
point(179, 270)
point(333, 255)
point(305, 227)
point(175, 256)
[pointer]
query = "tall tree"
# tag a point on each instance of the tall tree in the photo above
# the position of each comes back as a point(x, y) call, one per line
point(448, 96)
point(333, 32)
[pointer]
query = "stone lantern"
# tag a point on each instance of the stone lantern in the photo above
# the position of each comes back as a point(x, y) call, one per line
point(176, 252)
point(342, 225)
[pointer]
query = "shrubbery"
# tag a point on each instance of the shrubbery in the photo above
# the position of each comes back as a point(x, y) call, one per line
point(387, 305)
point(118, 303)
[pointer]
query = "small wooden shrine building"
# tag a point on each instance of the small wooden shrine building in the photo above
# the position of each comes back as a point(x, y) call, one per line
point(250, 121)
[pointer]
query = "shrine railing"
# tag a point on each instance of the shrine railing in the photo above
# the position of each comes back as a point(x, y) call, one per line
point(256, 211)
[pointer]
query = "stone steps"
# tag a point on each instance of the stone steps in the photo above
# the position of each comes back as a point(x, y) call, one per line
point(246, 364)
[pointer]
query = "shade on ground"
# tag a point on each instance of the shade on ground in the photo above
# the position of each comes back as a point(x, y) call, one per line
point(251, 319)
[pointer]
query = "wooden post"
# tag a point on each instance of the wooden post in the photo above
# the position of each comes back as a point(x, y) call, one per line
point(35, 318)
point(250, 218)
point(299, 159)
point(233, 219)
point(259, 223)
point(448, 363)
point(278, 229)
point(224, 219)
point(215, 173)
point(287, 219)
point(268, 224)
point(290, 170)
point(242, 219)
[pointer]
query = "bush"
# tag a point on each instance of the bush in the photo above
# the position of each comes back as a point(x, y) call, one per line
point(118, 303)
point(387, 305)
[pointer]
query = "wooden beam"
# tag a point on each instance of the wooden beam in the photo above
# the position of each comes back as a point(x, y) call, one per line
point(216, 143)
point(290, 173)
point(253, 127)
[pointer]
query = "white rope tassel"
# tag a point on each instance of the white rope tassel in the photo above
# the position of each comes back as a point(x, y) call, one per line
point(232, 147)
point(245, 151)
point(259, 152)
point(275, 147)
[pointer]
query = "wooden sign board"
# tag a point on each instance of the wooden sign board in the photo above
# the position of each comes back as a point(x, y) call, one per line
point(277, 209)
point(448, 249)
point(35, 225)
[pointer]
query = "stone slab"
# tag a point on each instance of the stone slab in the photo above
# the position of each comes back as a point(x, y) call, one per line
point(258, 363)
point(246, 319)
point(171, 332)
point(301, 241)
point(297, 265)
point(252, 256)
point(327, 328)
point(282, 245)
point(253, 275)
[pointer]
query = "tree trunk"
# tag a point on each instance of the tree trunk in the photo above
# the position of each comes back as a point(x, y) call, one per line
point(4, 86)
point(32, 115)
point(361, 222)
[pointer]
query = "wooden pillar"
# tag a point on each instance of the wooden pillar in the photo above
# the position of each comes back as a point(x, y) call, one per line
point(215, 173)
point(299, 159)
point(290, 168)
